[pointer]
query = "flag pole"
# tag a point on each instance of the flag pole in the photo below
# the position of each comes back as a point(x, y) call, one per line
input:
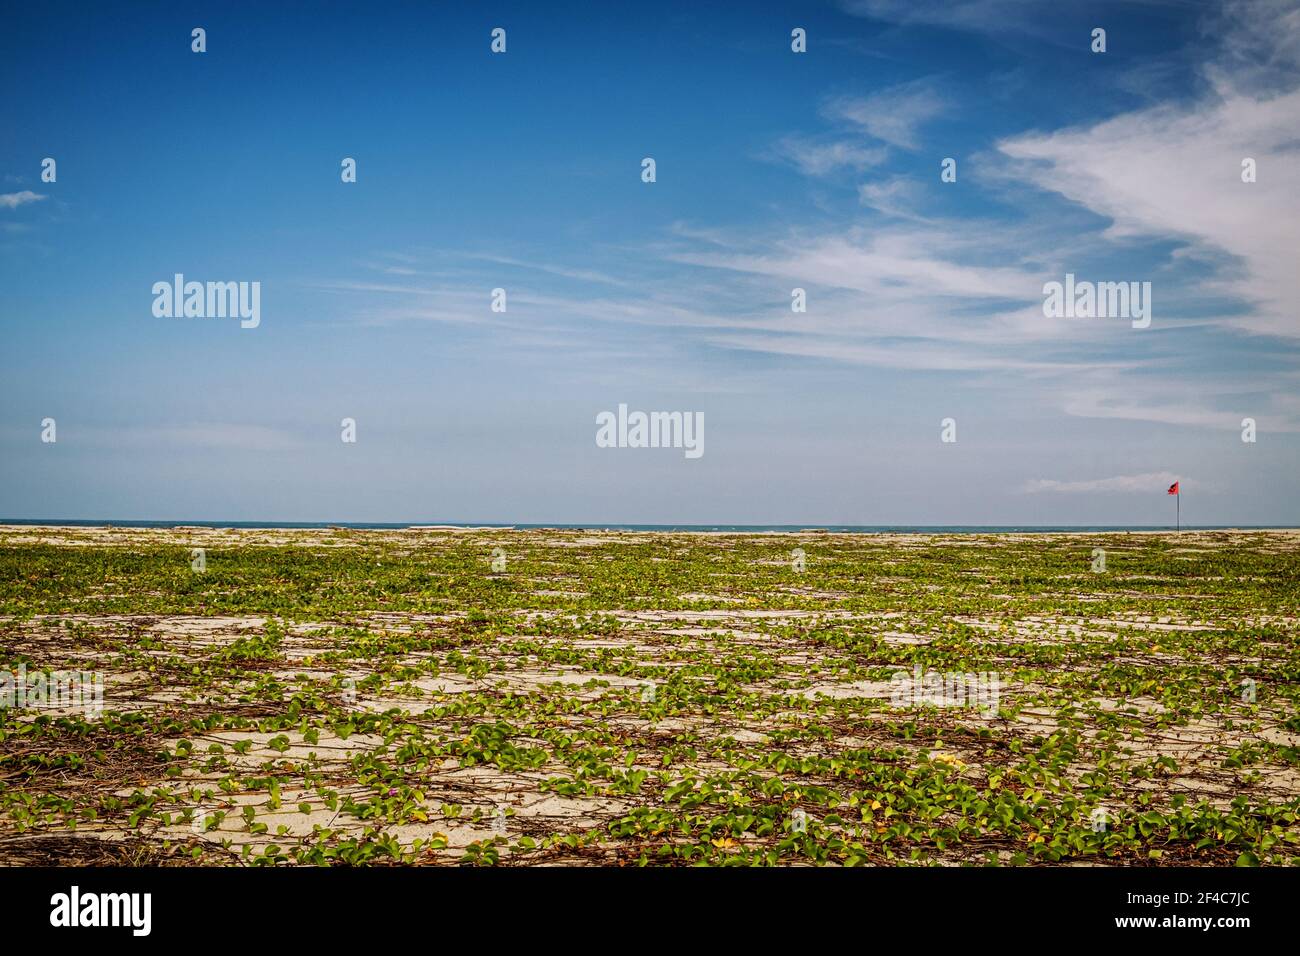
point(1178, 509)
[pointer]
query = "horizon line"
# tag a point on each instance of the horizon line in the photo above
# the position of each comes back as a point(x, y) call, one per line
point(166, 523)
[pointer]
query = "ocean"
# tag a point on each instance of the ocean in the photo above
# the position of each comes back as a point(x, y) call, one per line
point(603, 526)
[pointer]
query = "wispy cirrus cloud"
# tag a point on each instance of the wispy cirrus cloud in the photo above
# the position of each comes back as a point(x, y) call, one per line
point(1173, 400)
point(998, 18)
point(1175, 172)
point(963, 294)
point(14, 200)
point(1150, 483)
point(896, 196)
point(894, 115)
point(883, 262)
point(564, 272)
point(813, 158)
point(958, 14)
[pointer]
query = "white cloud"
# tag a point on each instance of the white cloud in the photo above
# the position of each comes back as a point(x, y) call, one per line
point(884, 263)
point(913, 355)
point(964, 296)
point(896, 196)
point(893, 115)
point(959, 14)
point(821, 159)
point(580, 275)
point(1175, 173)
point(14, 200)
point(1153, 482)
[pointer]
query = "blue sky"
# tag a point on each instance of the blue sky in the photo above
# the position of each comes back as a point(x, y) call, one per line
point(775, 170)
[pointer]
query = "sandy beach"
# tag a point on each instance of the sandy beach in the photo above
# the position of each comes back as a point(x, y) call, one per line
point(527, 697)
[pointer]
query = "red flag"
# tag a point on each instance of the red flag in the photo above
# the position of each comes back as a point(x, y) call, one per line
point(1173, 489)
